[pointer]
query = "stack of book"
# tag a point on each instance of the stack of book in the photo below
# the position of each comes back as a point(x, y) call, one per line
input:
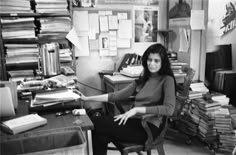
point(52, 6)
point(20, 75)
point(227, 141)
point(195, 94)
point(177, 67)
point(223, 120)
point(15, 6)
point(225, 125)
point(22, 53)
point(206, 111)
point(65, 55)
point(199, 87)
point(14, 28)
point(221, 98)
point(54, 27)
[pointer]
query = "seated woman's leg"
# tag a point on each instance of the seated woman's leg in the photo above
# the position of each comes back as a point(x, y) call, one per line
point(106, 130)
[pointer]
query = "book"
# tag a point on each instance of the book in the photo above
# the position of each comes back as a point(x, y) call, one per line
point(23, 123)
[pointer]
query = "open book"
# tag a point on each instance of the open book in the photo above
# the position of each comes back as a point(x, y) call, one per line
point(23, 123)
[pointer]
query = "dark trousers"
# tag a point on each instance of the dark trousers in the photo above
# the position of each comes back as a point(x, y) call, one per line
point(106, 131)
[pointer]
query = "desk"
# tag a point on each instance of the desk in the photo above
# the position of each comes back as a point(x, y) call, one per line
point(117, 82)
point(55, 124)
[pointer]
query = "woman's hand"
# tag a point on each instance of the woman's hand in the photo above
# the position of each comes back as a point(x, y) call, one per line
point(124, 117)
point(82, 97)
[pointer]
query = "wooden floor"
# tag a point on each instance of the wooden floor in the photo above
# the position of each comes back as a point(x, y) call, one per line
point(179, 148)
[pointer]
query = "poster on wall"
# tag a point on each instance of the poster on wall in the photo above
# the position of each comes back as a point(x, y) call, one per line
point(179, 12)
point(228, 19)
point(145, 23)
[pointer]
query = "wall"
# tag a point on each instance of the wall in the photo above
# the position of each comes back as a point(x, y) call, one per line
point(87, 68)
point(214, 37)
point(195, 56)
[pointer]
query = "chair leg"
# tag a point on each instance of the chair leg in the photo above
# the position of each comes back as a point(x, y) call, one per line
point(124, 153)
point(160, 149)
point(149, 152)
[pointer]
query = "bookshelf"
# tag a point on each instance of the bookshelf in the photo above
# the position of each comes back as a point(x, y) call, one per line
point(6, 43)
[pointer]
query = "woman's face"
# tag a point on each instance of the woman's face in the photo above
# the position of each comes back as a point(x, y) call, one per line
point(154, 62)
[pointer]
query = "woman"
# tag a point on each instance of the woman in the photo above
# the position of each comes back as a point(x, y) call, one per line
point(154, 93)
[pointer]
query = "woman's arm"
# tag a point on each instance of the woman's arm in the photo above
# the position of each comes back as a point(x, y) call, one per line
point(96, 98)
point(122, 118)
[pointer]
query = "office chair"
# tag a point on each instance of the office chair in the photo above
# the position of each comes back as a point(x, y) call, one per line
point(126, 148)
point(182, 98)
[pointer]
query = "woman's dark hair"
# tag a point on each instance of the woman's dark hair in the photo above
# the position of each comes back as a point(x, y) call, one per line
point(165, 63)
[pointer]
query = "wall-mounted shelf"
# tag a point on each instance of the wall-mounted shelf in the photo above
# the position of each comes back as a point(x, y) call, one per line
point(38, 40)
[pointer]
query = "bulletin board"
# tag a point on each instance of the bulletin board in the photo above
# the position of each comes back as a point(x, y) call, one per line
point(102, 30)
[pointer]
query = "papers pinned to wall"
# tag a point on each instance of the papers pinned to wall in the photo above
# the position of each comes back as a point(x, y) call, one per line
point(197, 20)
point(103, 31)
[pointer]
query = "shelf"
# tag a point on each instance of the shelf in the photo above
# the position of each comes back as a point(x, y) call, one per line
point(18, 14)
point(37, 38)
point(35, 14)
point(20, 41)
point(53, 14)
point(164, 30)
point(20, 66)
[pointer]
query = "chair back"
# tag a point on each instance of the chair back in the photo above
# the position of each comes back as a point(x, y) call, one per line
point(183, 94)
point(161, 136)
point(187, 80)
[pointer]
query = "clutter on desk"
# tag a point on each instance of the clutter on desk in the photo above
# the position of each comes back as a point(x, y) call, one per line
point(132, 70)
point(59, 81)
point(55, 100)
point(23, 123)
point(49, 98)
point(78, 112)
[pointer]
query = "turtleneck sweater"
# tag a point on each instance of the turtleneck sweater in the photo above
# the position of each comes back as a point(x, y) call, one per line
point(157, 95)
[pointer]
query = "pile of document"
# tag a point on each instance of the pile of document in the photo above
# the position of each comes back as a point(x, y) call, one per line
point(52, 6)
point(15, 6)
point(13, 28)
point(54, 97)
point(132, 71)
point(54, 27)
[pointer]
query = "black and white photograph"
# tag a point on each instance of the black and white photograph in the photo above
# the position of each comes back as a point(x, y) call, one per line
point(145, 24)
point(124, 77)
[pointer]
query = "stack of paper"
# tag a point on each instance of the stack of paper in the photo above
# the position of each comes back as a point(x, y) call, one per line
point(18, 28)
point(15, 6)
point(54, 27)
point(54, 97)
point(132, 71)
point(52, 6)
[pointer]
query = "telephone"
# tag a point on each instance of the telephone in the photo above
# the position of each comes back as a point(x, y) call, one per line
point(67, 70)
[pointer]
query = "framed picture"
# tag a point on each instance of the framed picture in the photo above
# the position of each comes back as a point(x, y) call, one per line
point(145, 24)
point(179, 12)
